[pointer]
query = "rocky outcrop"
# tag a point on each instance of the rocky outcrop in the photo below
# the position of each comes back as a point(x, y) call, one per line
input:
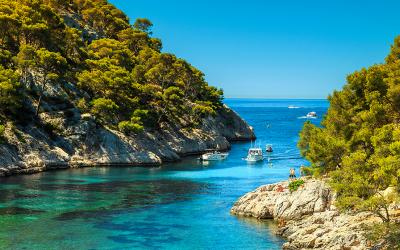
point(307, 217)
point(65, 138)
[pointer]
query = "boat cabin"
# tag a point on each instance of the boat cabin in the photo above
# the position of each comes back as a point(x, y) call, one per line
point(255, 151)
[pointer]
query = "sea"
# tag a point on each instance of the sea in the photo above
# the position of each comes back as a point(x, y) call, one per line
point(182, 205)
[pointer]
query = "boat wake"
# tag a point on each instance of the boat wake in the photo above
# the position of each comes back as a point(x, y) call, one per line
point(306, 117)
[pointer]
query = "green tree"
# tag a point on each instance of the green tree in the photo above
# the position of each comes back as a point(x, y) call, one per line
point(25, 61)
point(105, 109)
point(358, 144)
point(143, 24)
point(10, 98)
point(107, 59)
point(50, 67)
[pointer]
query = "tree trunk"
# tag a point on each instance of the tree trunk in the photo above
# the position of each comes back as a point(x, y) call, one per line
point(41, 96)
point(39, 103)
point(387, 214)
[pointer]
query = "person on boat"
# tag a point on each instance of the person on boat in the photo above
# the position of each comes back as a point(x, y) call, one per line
point(292, 174)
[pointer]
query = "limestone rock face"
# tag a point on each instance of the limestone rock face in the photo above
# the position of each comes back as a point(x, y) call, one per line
point(307, 217)
point(276, 201)
point(76, 140)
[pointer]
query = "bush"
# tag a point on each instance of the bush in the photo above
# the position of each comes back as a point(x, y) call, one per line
point(203, 109)
point(307, 171)
point(128, 127)
point(52, 128)
point(389, 232)
point(2, 130)
point(104, 109)
point(82, 105)
point(294, 185)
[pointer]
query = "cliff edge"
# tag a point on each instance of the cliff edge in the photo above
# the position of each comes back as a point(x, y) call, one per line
point(77, 140)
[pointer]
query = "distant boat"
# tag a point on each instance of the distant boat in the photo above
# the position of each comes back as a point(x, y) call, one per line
point(254, 155)
point(268, 148)
point(292, 107)
point(214, 156)
point(312, 115)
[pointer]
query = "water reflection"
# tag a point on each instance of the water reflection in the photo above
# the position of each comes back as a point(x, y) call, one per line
point(18, 211)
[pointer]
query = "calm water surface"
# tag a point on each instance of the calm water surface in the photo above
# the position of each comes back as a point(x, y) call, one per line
point(176, 206)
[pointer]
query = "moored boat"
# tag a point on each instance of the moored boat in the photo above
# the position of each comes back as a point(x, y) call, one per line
point(312, 115)
point(254, 155)
point(214, 156)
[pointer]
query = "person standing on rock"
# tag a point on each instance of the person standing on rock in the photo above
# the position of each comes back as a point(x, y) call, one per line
point(292, 174)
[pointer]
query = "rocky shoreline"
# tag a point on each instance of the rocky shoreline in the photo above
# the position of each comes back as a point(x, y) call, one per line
point(307, 218)
point(78, 141)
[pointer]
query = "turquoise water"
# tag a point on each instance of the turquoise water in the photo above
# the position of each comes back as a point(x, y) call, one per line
point(176, 206)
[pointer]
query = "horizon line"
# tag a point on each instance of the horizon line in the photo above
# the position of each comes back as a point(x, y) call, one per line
point(278, 98)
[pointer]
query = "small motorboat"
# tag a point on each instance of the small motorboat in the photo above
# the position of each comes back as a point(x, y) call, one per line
point(268, 148)
point(214, 156)
point(312, 115)
point(254, 155)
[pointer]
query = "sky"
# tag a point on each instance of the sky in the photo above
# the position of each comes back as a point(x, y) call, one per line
point(273, 49)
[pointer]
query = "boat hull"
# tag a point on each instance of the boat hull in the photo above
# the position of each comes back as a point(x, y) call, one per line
point(214, 157)
point(254, 158)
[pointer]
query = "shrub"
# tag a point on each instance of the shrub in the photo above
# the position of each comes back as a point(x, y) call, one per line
point(128, 127)
point(202, 109)
point(294, 185)
point(2, 130)
point(82, 105)
point(389, 232)
point(105, 109)
point(52, 128)
point(307, 171)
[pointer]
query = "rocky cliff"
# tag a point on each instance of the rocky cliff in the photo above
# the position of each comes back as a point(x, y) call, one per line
point(307, 217)
point(75, 140)
point(75, 72)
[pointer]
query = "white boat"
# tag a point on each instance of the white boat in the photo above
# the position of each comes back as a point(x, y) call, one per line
point(312, 115)
point(254, 155)
point(292, 107)
point(214, 156)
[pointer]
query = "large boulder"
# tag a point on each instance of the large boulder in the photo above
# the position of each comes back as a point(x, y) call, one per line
point(276, 201)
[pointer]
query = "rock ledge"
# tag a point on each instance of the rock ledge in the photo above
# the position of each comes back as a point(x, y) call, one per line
point(307, 217)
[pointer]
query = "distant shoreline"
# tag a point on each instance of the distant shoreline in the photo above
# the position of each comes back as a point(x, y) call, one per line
point(272, 98)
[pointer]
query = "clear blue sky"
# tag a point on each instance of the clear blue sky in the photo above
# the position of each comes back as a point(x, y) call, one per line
point(271, 48)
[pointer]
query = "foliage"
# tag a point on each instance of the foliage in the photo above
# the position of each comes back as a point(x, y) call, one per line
point(52, 128)
point(129, 127)
point(295, 184)
point(307, 171)
point(143, 24)
point(82, 105)
point(2, 130)
point(105, 109)
point(10, 98)
point(118, 68)
point(389, 232)
point(358, 144)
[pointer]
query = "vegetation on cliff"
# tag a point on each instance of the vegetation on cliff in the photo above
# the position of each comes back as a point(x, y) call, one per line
point(358, 144)
point(118, 69)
